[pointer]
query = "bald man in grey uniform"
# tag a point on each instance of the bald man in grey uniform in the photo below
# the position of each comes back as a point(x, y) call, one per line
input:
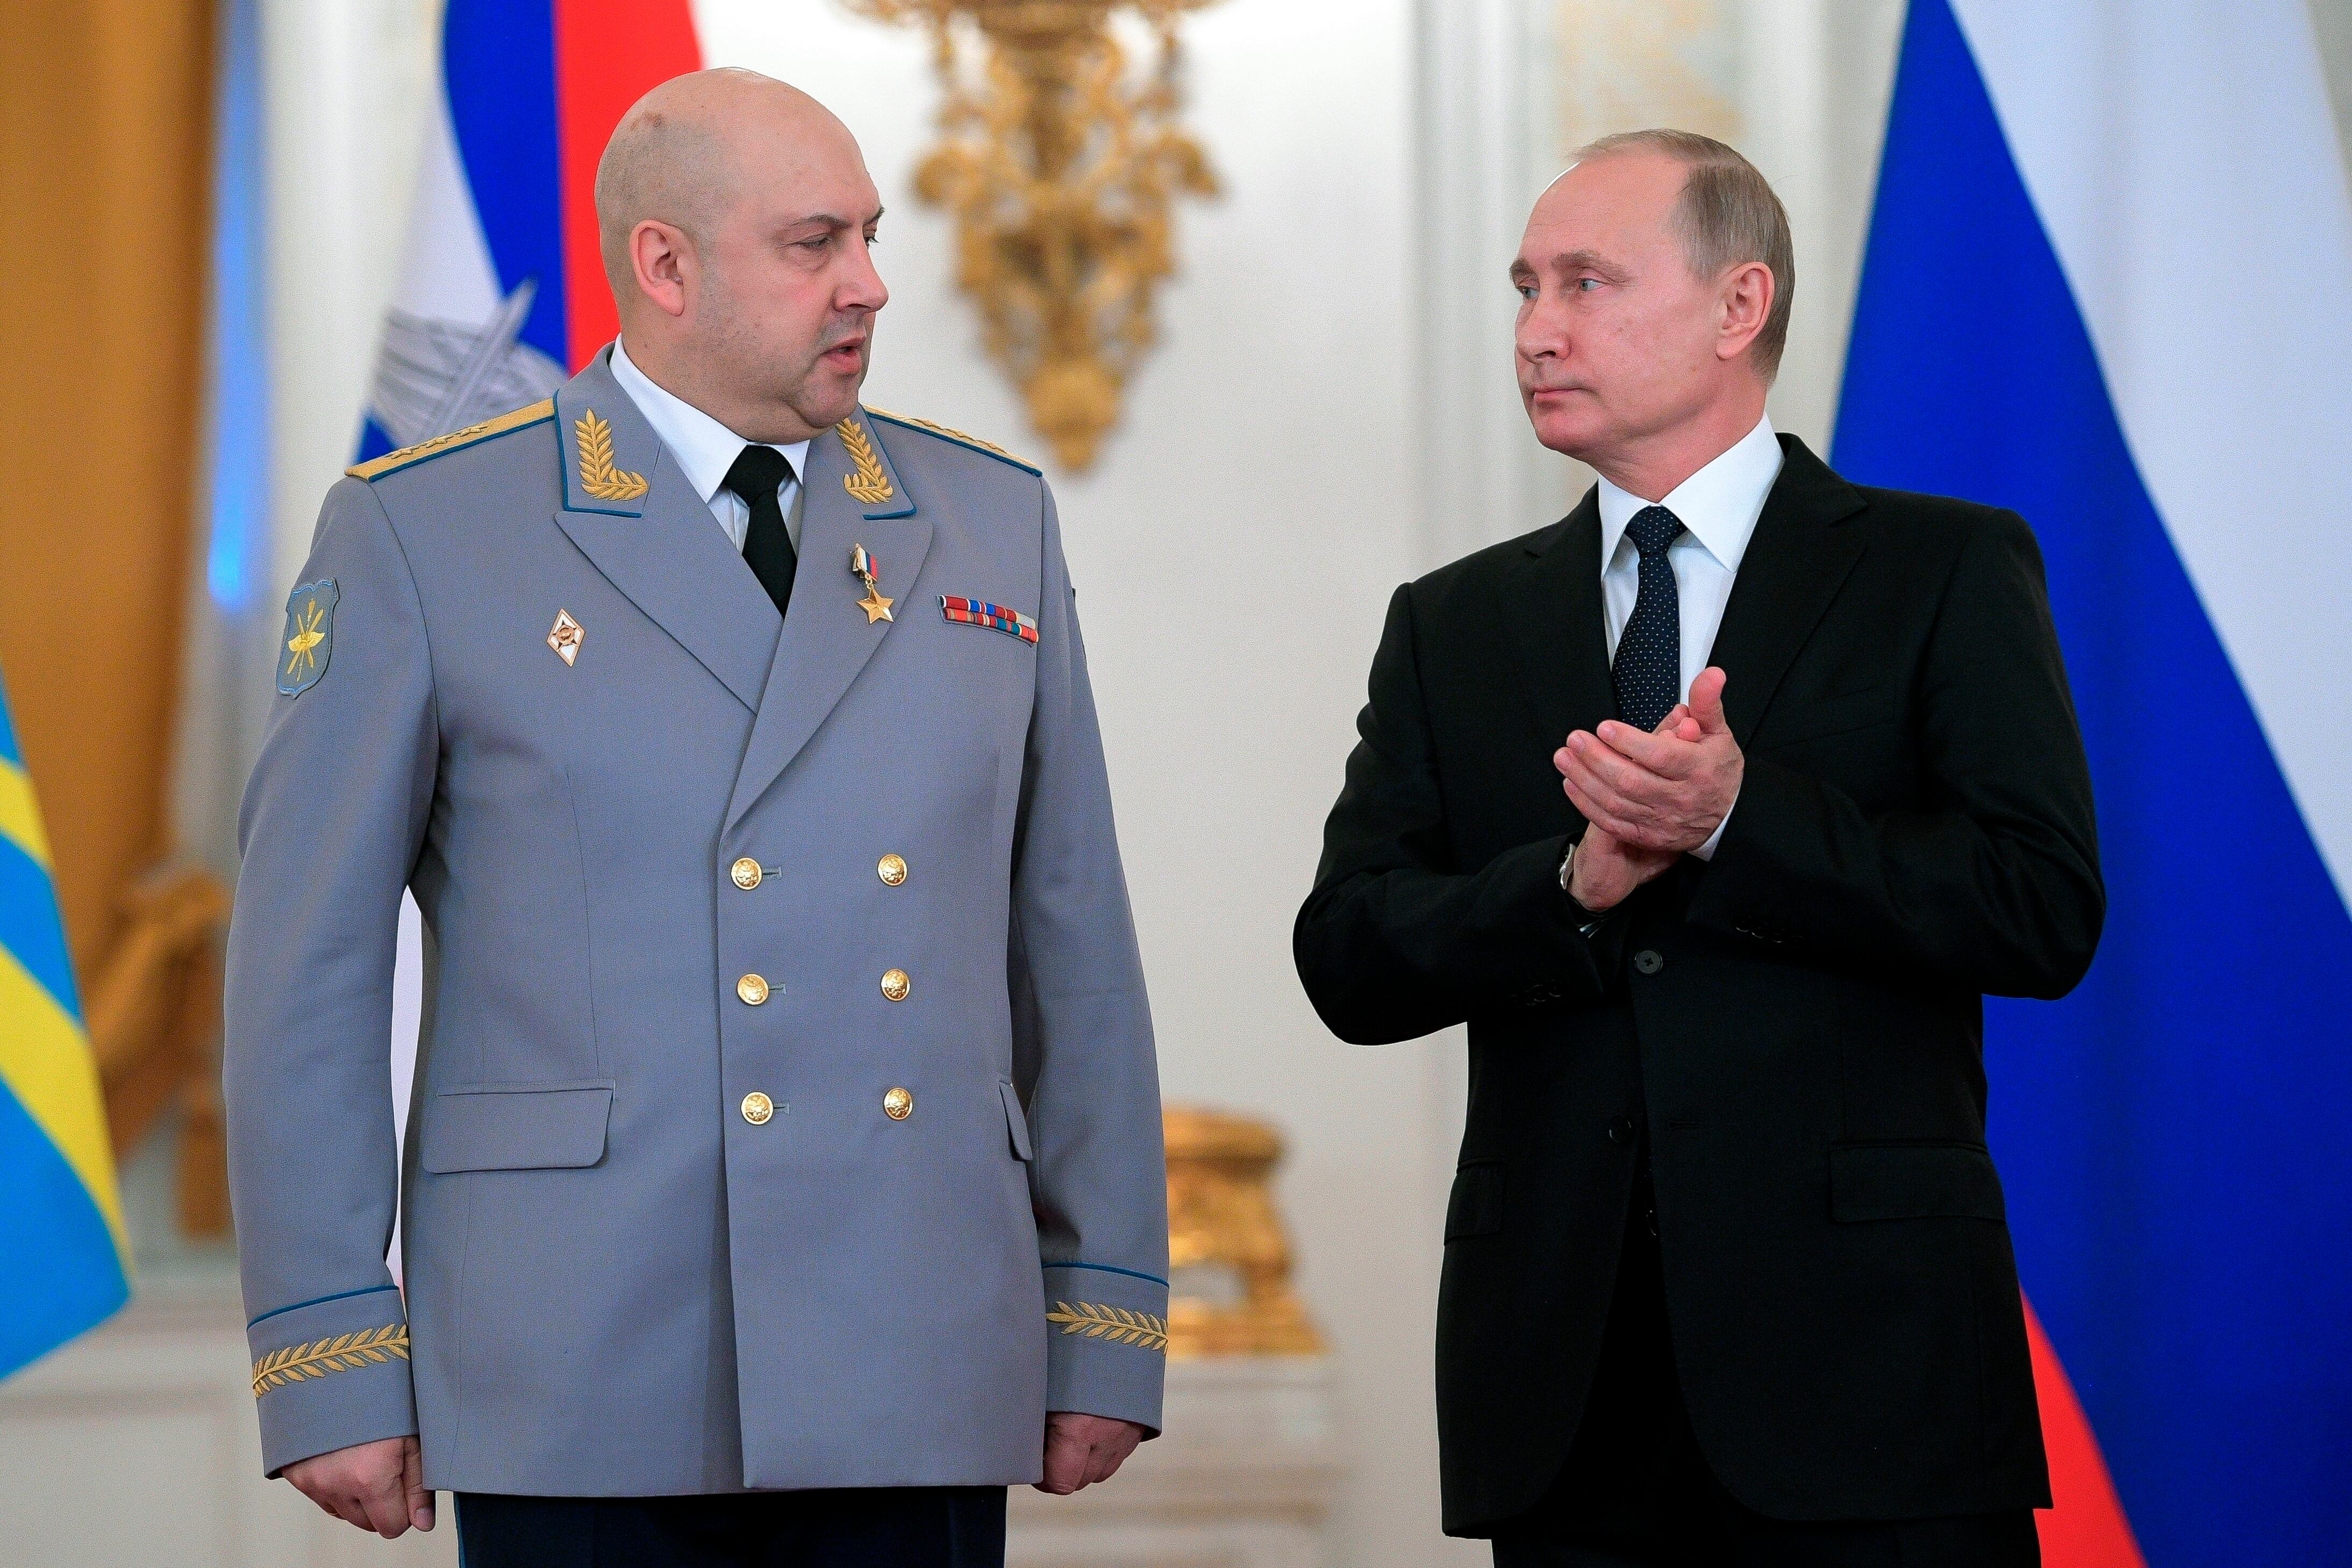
point(784, 1176)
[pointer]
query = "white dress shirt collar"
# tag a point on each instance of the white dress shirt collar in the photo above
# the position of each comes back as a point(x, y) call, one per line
point(1720, 504)
point(705, 449)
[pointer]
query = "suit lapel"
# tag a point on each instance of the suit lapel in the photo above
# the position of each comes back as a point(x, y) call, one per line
point(1799, 556)
point(639, 518)
point(1550, 607)
point(848, 500)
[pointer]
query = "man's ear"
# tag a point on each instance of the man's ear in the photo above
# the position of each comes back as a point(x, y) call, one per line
point(1747, 298)
point(659, 259)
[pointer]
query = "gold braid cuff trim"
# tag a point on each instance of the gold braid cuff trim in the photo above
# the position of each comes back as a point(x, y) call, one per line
point(1140, 1330)
point(344, 1353)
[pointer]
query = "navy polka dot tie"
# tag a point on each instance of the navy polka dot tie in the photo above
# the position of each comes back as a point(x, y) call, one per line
point(1648, 674)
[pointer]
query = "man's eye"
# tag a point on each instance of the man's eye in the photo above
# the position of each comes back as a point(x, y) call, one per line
point(1526, 290)
point(1587, 285)
point(820, 243)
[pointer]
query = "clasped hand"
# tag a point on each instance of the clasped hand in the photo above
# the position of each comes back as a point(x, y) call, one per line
point(1649, 798)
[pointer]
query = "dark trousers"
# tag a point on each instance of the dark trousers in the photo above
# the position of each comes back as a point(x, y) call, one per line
point(895, 1527)
point(1635, 1491)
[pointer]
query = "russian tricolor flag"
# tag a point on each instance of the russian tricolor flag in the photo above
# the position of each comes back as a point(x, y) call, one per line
point(502, 294)
point(2106, 285)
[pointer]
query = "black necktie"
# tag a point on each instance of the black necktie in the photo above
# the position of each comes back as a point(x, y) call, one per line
point(1648, 674)
point(757, 476)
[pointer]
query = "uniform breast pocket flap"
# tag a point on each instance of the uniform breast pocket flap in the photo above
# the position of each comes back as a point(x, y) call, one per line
point(1914, 1181)
point(1477, 1206)
point(516, 1128)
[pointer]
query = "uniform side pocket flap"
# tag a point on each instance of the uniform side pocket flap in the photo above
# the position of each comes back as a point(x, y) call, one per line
point(1914, 1181)
point(516, 1128)
point(1014, 1122)
point(1477, 1206)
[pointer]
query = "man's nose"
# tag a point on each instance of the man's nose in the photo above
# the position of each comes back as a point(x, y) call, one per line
point(1541, 333)
point(863, 289)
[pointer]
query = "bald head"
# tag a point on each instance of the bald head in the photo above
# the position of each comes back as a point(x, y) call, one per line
point(684, 151)
point(735, 213)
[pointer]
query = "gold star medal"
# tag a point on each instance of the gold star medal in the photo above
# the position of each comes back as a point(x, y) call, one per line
point(868, 569)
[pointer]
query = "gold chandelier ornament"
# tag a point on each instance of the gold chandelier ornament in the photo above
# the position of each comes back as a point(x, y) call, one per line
point(1060, 169)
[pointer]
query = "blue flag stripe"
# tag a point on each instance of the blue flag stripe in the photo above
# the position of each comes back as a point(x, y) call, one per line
point(59, 1272)
point(2169, 1133)
point(29, 927)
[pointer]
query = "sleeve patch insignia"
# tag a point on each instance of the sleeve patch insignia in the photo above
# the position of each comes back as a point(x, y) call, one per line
point(310, 636)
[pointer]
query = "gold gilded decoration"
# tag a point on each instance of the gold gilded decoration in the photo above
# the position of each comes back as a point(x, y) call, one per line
point(565, 638)
point(746, 874)
point(895, 985)
point(875, 606)
point(1228, 1255)
point(891, 869)
point(758, 1108)
point(344, 1353)
point(752, 990)
point(302, 648)
point(869, 485)
point(956, 435)
point(1061, 172)
point(897, 1104)
point(377, 467)
point(598, 474)
point(1140, 1330)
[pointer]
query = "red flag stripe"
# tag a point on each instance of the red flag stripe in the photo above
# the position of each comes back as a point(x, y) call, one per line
point(2086, 1528)
point(608, 53)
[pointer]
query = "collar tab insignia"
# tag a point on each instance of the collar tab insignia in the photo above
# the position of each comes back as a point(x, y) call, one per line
point(869, 485)
point(600, 475)
point(310, 636)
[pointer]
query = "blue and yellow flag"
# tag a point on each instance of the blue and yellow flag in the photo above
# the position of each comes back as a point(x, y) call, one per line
point(64, 1256)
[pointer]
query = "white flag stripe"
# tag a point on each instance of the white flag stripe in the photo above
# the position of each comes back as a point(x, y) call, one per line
point(2183, 160)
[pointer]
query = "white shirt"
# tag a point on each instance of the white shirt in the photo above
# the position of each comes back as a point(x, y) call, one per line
point(1717, 507)
point(706, 450)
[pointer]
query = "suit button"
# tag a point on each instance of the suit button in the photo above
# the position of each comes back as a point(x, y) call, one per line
point(897, 1104)
point(1648, 962)
point(1620, 1130)
point(752, 990)
point(895, 985)
point(746, 873)
point(891, 869)
point(758, 1108)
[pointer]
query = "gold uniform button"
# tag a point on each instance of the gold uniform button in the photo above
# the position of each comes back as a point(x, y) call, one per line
point(891, 869)
point(752, 990)
point(895, 985)
point(897, 1104)
point(746, 873)
point(758, 1108)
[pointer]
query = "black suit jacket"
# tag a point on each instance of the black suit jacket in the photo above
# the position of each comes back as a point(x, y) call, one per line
point(1799, 1019)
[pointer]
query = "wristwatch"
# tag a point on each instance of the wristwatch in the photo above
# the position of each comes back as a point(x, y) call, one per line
point(1592, 917)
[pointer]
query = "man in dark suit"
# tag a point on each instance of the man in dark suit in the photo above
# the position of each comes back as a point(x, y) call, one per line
point(1727, 1280)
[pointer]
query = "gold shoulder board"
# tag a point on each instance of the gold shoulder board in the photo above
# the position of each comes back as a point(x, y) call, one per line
point(958, 437)
point(376, 468)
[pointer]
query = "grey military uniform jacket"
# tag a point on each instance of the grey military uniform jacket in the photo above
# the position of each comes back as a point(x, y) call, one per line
point(786, 1112)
